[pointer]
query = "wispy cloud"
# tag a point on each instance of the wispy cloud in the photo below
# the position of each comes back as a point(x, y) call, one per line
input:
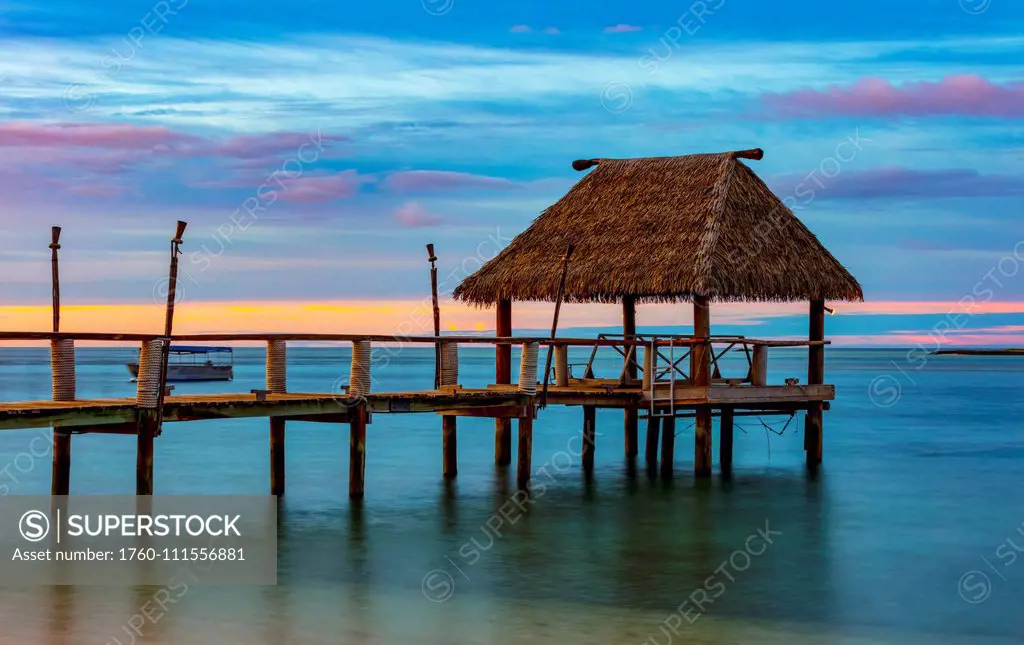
point(905, 182)
point(621, 28)
point(413, 181)
point(415, 215)
point(962, 95)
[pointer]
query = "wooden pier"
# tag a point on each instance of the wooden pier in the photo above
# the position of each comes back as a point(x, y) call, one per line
point(697, 229)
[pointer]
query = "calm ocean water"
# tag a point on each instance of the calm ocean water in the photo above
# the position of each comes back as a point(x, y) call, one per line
point(919, 487)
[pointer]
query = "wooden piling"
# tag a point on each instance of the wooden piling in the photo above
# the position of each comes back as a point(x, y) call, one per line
point(149, 422)
point(60, 480)
point(726, 436)
point(815, 375)
point(277, 469)
point(277, 383)
point(700, 358)
point(357, 451)
point(651, 446)
point(589, 437)
point(148, 397)
point(503, 376)
point(630, 422)
point(62, 368)
point(450, 446)
point(668, 445)
point(525, 453)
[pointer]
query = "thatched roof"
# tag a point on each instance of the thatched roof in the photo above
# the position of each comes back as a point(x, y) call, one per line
point(663, 229)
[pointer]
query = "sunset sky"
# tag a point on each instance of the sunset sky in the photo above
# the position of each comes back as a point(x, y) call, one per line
point(314, 147)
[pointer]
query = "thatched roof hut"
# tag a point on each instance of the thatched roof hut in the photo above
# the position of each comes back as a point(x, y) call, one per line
point(663, 229)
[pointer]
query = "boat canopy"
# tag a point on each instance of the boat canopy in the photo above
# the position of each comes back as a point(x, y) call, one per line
point(198, 349)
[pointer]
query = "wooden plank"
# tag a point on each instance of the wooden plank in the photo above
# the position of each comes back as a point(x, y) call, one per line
point(490, 411)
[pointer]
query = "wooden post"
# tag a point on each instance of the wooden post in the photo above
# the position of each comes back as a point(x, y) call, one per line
point(63, 379)
point(815, 376)
point(503, 376)
point(629, 414)
point(554, 323)
point(562, 366)
point(589, 437)
point(437, 314)
point(668, 445)
point(651, 447)
point(701, 374)
point(759, 366)
point(726, 436)
point(357, 451)
point(649, 368)
point(149, 422)
point(450, 446)
point(525, 451)
point(277, 383)
point(277, 469)
point(172, 289)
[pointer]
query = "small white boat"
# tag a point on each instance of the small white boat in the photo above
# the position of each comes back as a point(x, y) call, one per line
point(195, 363)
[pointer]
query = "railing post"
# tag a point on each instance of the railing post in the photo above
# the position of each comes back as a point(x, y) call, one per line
point(562, 365)
point(277, 383)
point(759, 366)
point(359, 375)
point(359, 388)
point(62, 370)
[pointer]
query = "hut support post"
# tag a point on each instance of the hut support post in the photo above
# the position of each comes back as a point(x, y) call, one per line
point(651, 446)
point(277, 383)
point(726, 437)
point(147, 398)
point(589, 437)
point(525, 453)
point(668, 445)
point(815, 376)
point(503, 376)
point(450, 447)
point(630, 414)
point(701, 357)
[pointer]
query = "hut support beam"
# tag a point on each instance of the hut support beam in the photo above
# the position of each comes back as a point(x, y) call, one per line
point(726, 436)
point(450, 446)
point(525, 452)
point(815, 375)
point(630, 421)
point(503, 375)
point(357, 452)
point(700, 373)
point(668, 445)
point(589, 437)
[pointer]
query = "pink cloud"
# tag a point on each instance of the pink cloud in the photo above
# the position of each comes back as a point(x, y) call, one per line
point(431, 180)
point(319, 189)
point(414, 215)
point(552, 31)
point(521, 29)
point(961, 95)
point(621, 29)
point(44, 135)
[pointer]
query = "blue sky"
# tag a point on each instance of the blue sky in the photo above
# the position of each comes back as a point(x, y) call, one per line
point(454, 121)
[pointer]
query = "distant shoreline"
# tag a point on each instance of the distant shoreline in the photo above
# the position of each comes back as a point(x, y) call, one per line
point(1011, 351)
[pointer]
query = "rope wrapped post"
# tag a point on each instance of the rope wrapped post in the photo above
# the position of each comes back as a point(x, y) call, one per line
point(449, 423)
point(277, 383)
point(528, 368)
point(359, 387)
point(62, 369)
point(147, 398)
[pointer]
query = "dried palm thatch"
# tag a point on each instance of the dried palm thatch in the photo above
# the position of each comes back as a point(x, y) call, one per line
point(664, 229)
